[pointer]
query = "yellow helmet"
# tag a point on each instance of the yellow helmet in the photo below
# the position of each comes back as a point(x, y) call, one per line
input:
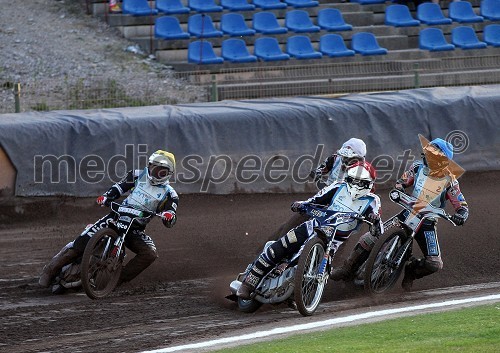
point(161, 165)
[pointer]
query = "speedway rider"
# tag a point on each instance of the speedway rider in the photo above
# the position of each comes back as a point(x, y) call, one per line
point(150, 191)
point(352, 195)
point(434, 183)
point(334, 168)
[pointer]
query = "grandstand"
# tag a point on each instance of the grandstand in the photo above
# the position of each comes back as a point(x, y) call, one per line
point(405, 65)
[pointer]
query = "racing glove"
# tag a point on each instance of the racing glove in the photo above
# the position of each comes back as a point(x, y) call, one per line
point(460, 216)
point(169, 218)
point(102, 201)
point(297, 206)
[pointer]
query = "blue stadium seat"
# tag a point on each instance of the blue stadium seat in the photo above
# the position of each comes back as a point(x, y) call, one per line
point(462, 12)
point(234, 25)
point(332, 20)
point(168, 27)
point(490, 9)
point(235, 50)
point(299, 21)
point(302, 3)
point(368, 2)
point(269, 4)
point(201, 26)
point(431, 14)
point(300, 47)
point(399, 16)
point(465, 38)
point(171, 7)
point(202, 52)
point(204, 6)
point(268, 49)
point(333, 45)
point(266, 22)
point(237, 5)
point(433, 39)
point(491, 35)
point(365, 43)
point(138, 8)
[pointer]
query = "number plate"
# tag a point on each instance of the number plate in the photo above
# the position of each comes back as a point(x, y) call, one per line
point(130, 211)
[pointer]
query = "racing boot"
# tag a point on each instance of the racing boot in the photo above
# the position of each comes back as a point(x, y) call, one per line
point(260, 268)
point(49, 272)
point(351, 264)
point(412, 272)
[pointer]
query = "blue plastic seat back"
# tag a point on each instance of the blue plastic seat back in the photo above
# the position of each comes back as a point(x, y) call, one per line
point(266, 22)
point(365, 43)
point(237, 5)
point(268, 48)
point(168, 27)
point(330, 43)
point(202, 52)
point(204, 6)
point(331, 19)
point(302, 3)
point(299, 45)
point(269, 4)
point(490, 9)
point(433, 39)
point(431, 14)
point(138, 8)
point(462, 11)
point(171, 7)
point(234, 24)
point(299, 21)
point(491, 35)
point(236, 50)
point(399, 16)
point(201, 25)
point(466, 38)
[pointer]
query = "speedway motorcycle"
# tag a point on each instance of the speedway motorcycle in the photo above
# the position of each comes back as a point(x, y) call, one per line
point(300, 280)
point(394, 248)
point(102, 260)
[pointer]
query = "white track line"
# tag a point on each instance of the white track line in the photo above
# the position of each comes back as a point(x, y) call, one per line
point(324, 323)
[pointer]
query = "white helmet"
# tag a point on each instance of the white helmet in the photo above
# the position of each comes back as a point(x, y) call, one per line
point(353, 149)
point(161, 165)
point(360, 179)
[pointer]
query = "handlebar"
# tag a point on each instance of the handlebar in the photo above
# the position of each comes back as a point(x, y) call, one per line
point(319, 212)
point(115, 207)
point(409, 203)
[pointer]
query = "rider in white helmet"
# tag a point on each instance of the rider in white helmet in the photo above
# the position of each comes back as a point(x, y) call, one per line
point(333, 169)
point(352, 195)
point(150, 191)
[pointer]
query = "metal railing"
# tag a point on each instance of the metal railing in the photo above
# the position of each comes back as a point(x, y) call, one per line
point(255, 82)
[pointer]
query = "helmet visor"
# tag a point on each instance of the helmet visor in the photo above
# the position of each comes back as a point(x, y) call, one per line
point(364, 184)
point(158, 172)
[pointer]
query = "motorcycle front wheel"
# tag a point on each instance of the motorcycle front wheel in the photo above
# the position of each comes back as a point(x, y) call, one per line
point(382, 269)
point(100, 270)
point(308, 287)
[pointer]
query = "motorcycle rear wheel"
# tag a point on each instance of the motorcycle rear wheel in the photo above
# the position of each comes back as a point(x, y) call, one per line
point(308, 288)
point(381, 270)
point(100, 272)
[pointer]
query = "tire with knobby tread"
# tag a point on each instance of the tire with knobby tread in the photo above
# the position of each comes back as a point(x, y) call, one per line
point(375, 267)
point(314, 250)
point(90, 261)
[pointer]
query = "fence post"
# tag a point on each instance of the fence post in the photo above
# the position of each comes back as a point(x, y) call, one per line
point(17, 97)
point(417, 75)
point(214, 94)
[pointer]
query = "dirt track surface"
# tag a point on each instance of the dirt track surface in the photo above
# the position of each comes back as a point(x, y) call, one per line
point(180, 298)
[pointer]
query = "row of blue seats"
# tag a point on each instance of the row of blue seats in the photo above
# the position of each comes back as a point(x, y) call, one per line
point(233, 24)
point(431, 14)
point(142, 8)
point(268, 49)
point(463, 37)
